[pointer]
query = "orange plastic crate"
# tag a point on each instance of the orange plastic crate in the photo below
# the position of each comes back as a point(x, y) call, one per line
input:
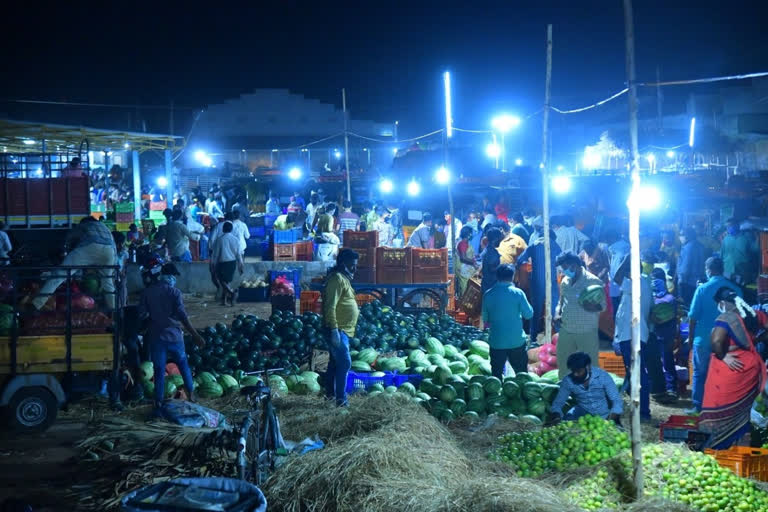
point(743, 461)
point(472, 300)
point(367, 256)
point(430, 265)
point(304, 250)
point(364, 298)
point(610, 362)
point(310, 301)
point(361, 239)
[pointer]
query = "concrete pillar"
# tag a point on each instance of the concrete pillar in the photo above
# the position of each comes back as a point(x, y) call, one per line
point(136, 186)
point(169, 176)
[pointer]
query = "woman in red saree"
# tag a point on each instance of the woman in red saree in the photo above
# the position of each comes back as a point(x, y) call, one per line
point(736, 372)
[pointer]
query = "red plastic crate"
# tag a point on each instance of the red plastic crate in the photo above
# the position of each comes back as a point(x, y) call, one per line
point(394, 265)
point(361, 239)
point(310, 301)
point(304, 250)
point(365, 275)
point(367, 256)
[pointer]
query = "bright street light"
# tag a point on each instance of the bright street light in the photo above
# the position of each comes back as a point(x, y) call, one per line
point(591, 159)
point(162, 182)
point(560, 168)
point(561, 184)
point(127, 146)
point(649, 198)
point(442, 176)
point(505, 122)
point(693, 131)
point(294, 173)
point(386, 186)
point(518, 162)
point(394, 151)
point(203, 158)
point(337, 154)
point(448, 112)
point(650, 157)
point(670, 154)
point(414, 188)
point(493, 150)
point(28, 142)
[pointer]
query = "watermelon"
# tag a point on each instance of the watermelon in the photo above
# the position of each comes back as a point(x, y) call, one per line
point(250, 380)
point(495, 405)
point(459, 407)
point(434, 346)
point(442, 374)
point(451, 352)
point(475, 391)
point(211, 390)
point(446, 416)
point(291, 381)
point(429, 387)
point(511, 389)
point(480, 369)
point(368, 355)
point(276, 383)
point(392, 364)
point(148, 370)
point(407, 388)
point(517, 406)
point(376, 387)
point(492, 386)
point(551, 376)
point(417, 358)
point(423, 396)
point(360, 366)
point(436, 359)
point(472, 415)
point(480, 379)
point(538, 408)
point(206, 377)
point(177, 380)
point(527, 418)
point(457, 367)
point(549, 392)
point(532, 391)
point(390, 390)
point(447, 394)
point(592, 294)
point(480, 348)
point(228, 384)
point(523, 377)
point(149, 388)
point(512, 417)
point(378, 374)
point(477, 406)
point(476, 359)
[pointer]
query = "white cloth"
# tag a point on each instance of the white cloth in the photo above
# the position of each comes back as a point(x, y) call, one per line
point(386, 232)
point(311, 212)
point(91, 254)
point(216, 232)
point(459, 225)
point(570, 239)
point(5, 244)
point(240, 230)
point(623, 331)
point(489, 219)
point(226, 248)
point(196, 229)
point(212, 208)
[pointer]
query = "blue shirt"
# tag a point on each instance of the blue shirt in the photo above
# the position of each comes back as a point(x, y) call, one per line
point(491, 261)
point(165, 307)
point(273, 207)
point(535, 253)
point(504, 307)
point(599, 397)
point(690, 263)
point(618, 251)
point(704, 308)
point(89, 233)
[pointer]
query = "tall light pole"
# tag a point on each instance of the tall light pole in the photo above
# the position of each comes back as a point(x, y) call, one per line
point(443, 174)
point(346, 142)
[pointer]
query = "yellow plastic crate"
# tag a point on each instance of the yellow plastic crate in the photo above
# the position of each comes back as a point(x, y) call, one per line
point(47, 354)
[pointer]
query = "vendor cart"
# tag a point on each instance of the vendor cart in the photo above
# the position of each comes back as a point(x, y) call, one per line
point(70, 346)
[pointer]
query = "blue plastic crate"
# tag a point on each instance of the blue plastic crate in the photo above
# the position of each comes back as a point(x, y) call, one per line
point(266, 253)
point(397, 380)
point(289, 236)
point(253, 248)
point(294, 275)
point(361, 382)
point(257, 231)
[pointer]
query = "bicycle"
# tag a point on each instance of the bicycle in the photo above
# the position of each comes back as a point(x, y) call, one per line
point(259, 442)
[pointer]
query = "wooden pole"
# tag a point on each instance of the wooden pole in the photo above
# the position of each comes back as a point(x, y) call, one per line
point(634, 241)
point(545, 197)
point(346, 142)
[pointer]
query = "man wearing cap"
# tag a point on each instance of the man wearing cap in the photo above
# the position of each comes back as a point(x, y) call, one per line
point(340, 314)
point(162, 303)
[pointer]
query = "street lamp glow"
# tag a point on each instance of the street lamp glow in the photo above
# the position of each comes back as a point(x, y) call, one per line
point(505, 122)
point(518, 162)
point(28, 142)
point(591, 159)
point(493, 150)
point(670, 154)
point(394, 151)
point(126, 146)
point(202, 158)
point(294, 173)
point(561, 184)
point(448, 112)
point(413, 189)
point(560, 168)
point(442, 176)
point(337, 154)
point(386, 186)
point(693, 131)
point(648, 198)
point(162, 182)
point(651, 158)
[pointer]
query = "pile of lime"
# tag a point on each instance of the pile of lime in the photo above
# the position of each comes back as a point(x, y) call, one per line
point(570, 444)
point(676, 474)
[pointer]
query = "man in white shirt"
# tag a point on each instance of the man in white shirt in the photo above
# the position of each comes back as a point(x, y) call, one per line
point(489, 217)
point(569, 238)
point(240, 230)
point(273, 204)
point(213, 209)
point(177, 239)
point(312, 208)
point(456, 223)
point(5, 245)
point(226, 258)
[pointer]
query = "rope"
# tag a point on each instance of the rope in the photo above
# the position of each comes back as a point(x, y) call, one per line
point(594, 105)
point(398, 141)
point(705, 80)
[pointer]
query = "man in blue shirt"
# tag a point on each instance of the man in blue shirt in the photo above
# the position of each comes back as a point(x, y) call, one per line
point(273, 205)
point(163, 304)
point(538, 287)
point(690, 263)
point(701, 318)
point(504, 308)
point(592, 390)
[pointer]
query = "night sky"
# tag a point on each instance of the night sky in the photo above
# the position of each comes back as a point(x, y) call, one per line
point(388, 56)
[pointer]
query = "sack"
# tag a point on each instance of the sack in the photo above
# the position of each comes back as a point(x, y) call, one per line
point(188, 414)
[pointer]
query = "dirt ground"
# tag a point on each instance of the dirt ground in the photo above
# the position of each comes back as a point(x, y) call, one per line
point(31, 464)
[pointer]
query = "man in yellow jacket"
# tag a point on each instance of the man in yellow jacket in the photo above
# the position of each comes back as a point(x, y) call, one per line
point(340, 314)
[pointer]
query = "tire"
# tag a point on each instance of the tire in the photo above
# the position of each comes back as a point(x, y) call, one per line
point(32, 409)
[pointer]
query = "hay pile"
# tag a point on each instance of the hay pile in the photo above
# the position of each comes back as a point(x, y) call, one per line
point(386, 453)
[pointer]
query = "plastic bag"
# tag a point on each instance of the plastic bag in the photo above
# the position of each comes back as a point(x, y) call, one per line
point(138, 500)
point(188, 414)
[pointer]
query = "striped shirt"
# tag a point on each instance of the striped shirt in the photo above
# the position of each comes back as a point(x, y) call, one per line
point(576, 319)
point(598, 396)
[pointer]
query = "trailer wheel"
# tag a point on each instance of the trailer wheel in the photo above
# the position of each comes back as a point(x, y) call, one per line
point(32, 409)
